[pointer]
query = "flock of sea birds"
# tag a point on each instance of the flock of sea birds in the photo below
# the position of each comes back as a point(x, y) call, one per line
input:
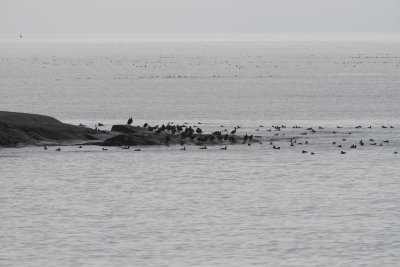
point(278, 136)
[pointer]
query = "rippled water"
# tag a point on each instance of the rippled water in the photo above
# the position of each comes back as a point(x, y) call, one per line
point(248, 205)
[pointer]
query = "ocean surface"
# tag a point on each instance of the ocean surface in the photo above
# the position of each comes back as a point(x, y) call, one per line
point(244, 206)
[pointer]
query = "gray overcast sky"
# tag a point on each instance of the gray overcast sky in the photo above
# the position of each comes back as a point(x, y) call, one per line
point(197, 16)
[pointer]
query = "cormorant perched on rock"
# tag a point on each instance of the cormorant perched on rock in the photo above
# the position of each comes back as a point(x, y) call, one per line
point(130, 121)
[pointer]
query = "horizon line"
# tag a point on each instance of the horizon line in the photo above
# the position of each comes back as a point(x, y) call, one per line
point(199, 37)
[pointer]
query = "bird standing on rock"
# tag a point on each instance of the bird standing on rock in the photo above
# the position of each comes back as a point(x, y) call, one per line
point(130, 120)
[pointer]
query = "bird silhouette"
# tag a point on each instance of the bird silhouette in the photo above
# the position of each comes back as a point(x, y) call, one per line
point(130, 121)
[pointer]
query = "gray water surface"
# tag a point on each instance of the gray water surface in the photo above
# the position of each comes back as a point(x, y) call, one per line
point(248, 205)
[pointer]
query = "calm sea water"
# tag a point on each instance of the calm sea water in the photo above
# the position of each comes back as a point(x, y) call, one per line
point(248, 205)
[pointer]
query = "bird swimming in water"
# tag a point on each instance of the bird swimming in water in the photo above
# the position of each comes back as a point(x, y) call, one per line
point(58, 149)
point(203, 147)
point(104, 149)
point(223, 148)
point(342, 152)
point(184, 148)
point(130, 120)
point(44, 147)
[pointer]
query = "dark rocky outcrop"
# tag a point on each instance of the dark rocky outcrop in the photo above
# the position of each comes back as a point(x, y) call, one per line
point(124, 129)
point(32, 129)
point(134, 135)
point(18, 129)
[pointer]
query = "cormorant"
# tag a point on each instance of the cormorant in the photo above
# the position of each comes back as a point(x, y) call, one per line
point(130, 120)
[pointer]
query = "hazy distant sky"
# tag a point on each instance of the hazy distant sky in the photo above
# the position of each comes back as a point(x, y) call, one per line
point(197, 16)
